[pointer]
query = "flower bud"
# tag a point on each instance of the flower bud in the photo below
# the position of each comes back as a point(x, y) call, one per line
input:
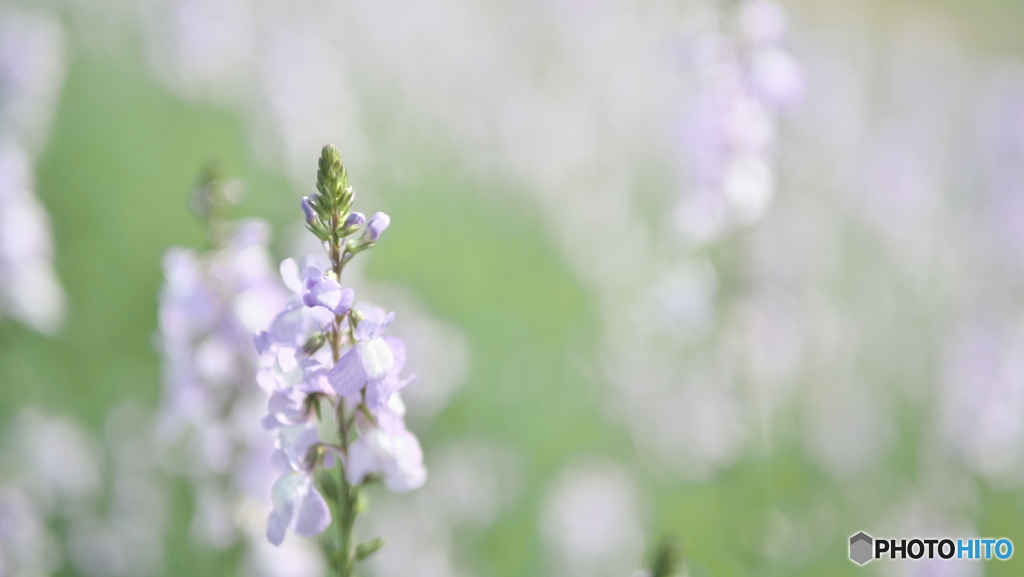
point(378, 223)
point(311, 217)
point(355, 219)
point(332, 179)
point(314, 343)
point(330, 155)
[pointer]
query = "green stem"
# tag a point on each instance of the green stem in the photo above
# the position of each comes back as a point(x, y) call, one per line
point(345, 504)
point(341, 556)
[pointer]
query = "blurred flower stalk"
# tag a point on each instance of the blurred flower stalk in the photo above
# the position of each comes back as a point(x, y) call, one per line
point(206, 427)
point(745, 77)
point(32, 64)
point(334, 380)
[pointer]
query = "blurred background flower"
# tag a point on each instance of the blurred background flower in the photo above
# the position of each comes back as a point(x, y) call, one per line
point(748, 272)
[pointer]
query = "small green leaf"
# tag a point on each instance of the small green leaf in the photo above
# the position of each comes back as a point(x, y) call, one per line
point(364, 550)
point(667, 560)
point(328, 486)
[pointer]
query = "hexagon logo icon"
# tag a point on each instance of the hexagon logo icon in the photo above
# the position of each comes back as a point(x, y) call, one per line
point(861, 546)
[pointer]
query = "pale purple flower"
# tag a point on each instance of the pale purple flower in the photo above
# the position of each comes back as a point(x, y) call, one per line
point(318, 289)
point(316, 286)
point(389, 449)
point(373, 362)
point(283, 341)
point(292, 446)
point(297, 506)
point(378, 223)
point(287, 405)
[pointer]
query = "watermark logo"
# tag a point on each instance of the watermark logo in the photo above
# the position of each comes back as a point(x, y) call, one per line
point(861, 549)
point(864, 548)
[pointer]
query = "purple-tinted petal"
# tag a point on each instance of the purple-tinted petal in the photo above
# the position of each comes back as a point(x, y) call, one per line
point(320, 291)
point(397, 352)
point(402, 383)
point(283, 496)
point(293, 325)
point(376, 357)
point(377, 394)
point(262, 342)
point(315, 261)
point(327, 293)
point(374, 313)
point(288, 406)
point(366, 330)
point(328, 459)
point(379, 222)
point(355, 219)
point(276, 526)
point(294, 441)
point(314, 378)
point(312, 516)
point(405, 471)
point(290, 275)
point(271, 422)
point(286, 358)
point(280, 401)
point(307, 209)
point(266, 380)
point(347, 297)
point(389, 420)
point(280, 461)
point(347, 375)
point(362, 460)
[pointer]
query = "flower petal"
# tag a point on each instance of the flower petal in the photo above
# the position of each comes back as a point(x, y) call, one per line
point(283, 495)
point(276, 526)
point(405, 471)
point(367, 329)
point(286, 359)
point(313, 516)
point(376, 357)
point(327, 293)
point(290, 275)
point(347, 375)
point(398, 352)
point(361, 460)
point(378, 392)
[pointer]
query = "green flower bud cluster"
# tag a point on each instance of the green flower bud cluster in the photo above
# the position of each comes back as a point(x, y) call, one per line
point(327, 212)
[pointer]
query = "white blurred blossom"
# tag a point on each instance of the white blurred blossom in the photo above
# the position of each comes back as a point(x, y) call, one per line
point(591, 520)
point(32, 66)
point(107, 496)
